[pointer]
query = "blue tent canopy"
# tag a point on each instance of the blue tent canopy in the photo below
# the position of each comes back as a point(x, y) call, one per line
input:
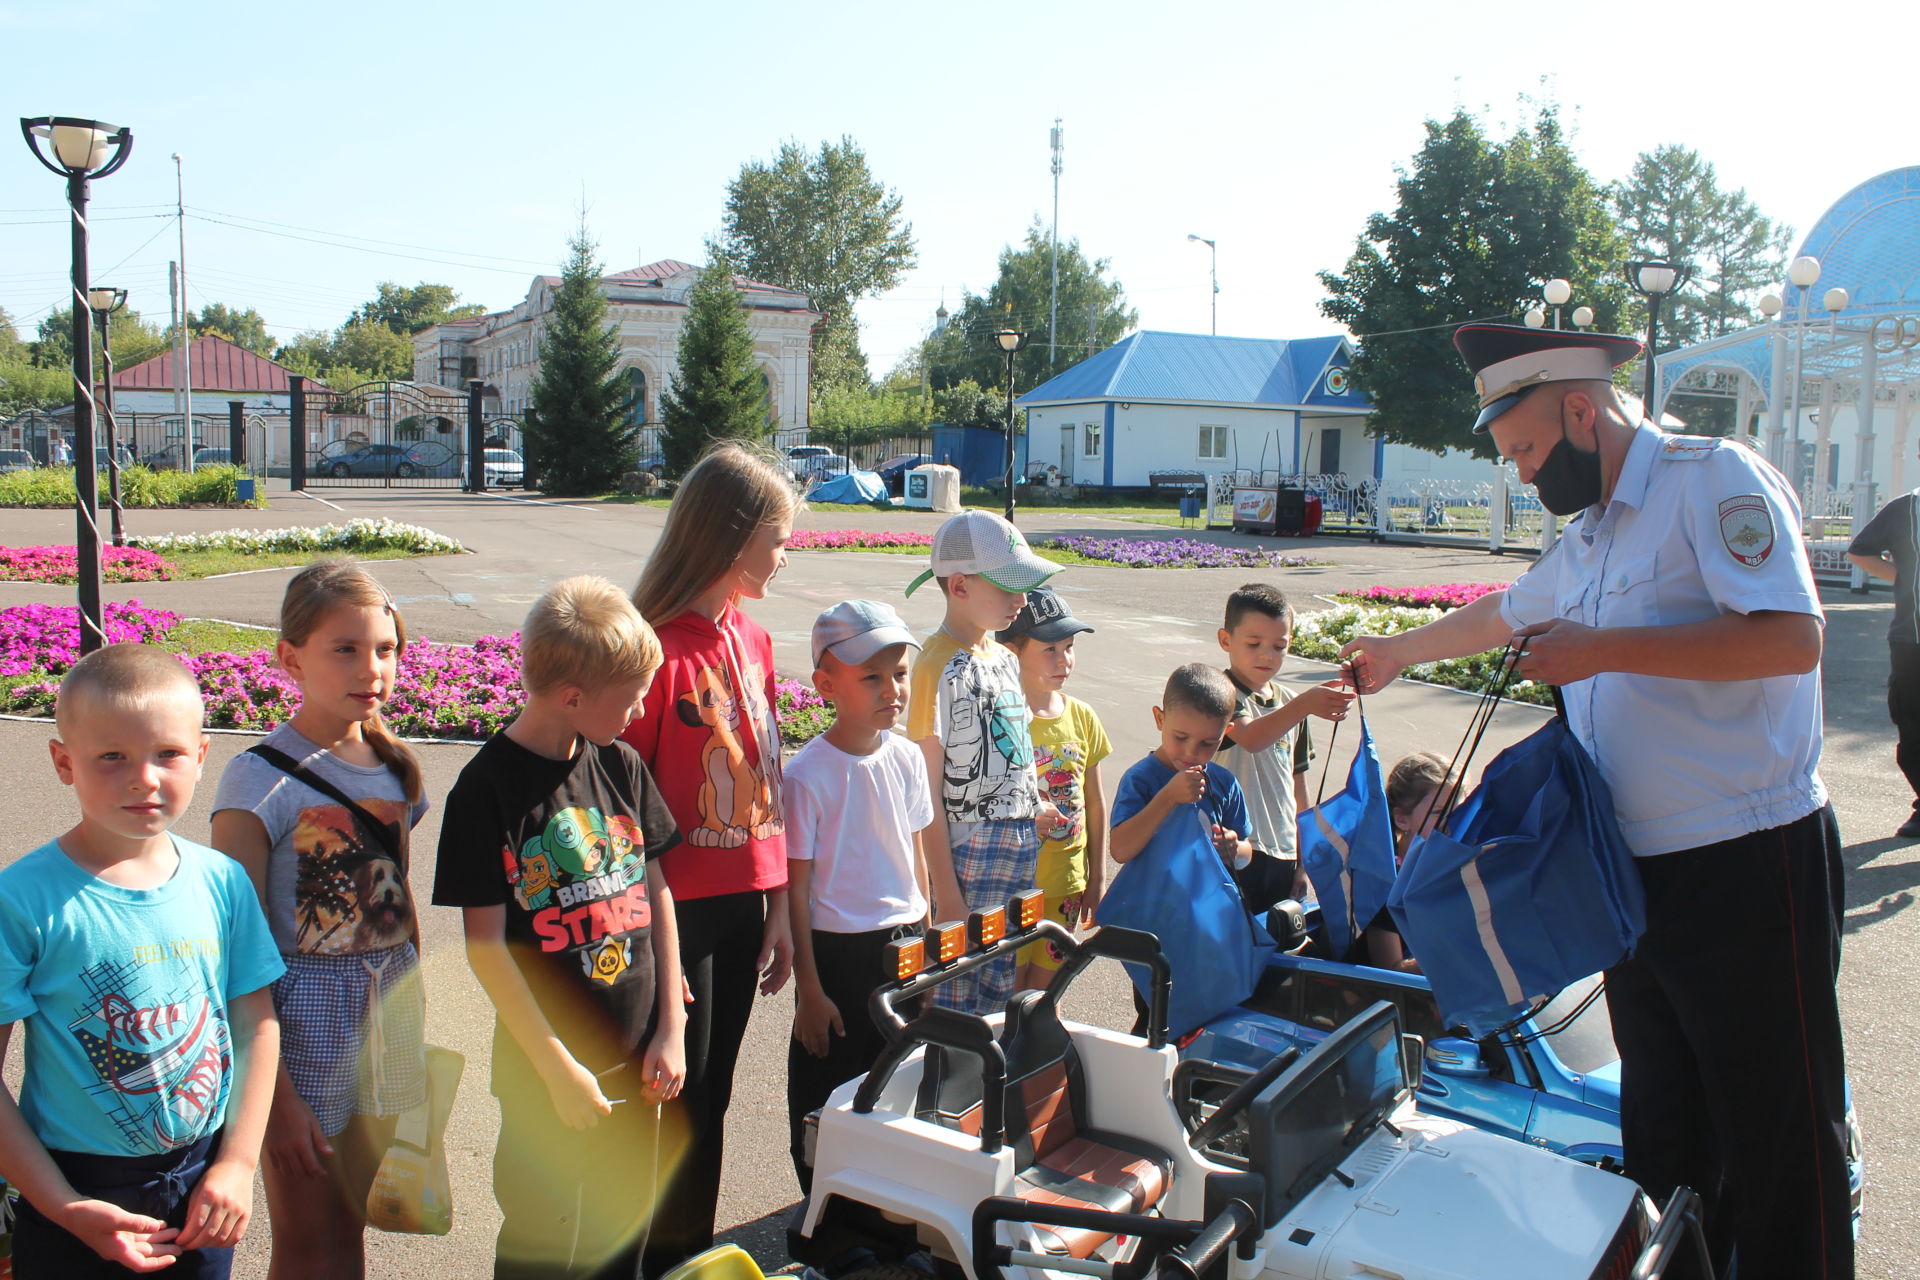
point(852, 486)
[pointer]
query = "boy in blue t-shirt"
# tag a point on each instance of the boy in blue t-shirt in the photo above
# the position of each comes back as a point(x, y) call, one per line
point(139, 963)
point(1179, 781)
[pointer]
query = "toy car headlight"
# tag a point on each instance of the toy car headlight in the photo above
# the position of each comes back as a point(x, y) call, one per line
point(984, 928)
point(1027, 908)
point(904, 957)
point(949, 941)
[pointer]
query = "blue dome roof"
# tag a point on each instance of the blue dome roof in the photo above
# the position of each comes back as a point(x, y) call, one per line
point(1868, 243)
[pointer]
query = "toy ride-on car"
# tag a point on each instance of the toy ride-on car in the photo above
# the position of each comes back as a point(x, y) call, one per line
point(1024, 1146)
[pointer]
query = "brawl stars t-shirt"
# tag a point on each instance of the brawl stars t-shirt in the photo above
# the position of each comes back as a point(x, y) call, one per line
point(563, 845)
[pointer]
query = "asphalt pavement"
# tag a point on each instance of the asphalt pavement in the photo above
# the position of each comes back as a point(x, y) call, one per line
point(1147, 622)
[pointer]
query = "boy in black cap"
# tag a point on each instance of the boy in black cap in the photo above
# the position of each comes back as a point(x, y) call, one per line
point(1680, 618)
point(1068, 746)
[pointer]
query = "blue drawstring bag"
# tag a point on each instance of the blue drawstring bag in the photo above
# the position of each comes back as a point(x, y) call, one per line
point(1528, 886)
point(1346, 848)
point(1178, 889)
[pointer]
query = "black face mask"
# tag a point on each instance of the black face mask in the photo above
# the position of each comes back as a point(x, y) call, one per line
point(1568, 481)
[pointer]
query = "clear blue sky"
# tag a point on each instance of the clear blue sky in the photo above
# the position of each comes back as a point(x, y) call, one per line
point(474, 130)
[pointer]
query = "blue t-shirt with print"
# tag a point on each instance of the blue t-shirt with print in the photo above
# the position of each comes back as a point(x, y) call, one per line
point(124, 994)
point(1224, 803)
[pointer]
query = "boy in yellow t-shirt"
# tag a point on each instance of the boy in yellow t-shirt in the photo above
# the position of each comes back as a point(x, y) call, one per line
point(1068, 746)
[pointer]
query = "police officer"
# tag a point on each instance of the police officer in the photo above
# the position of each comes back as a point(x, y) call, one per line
point(1679, 616)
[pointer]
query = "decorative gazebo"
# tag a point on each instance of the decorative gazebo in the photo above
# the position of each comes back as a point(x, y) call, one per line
point(1843, 344)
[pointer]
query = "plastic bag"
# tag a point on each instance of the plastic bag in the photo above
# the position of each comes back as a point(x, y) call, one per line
point(410, 1191)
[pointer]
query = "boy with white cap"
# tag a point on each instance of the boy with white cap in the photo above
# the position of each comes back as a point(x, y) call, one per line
point(968, 714)
point(857, 800)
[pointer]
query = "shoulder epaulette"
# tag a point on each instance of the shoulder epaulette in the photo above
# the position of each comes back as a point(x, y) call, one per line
point(1689, 448)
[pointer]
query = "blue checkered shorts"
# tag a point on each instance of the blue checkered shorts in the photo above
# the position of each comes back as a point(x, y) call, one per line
point(353, 1033)
point(995, 861)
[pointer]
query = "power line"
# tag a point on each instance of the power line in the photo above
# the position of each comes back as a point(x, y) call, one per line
point(286, 228)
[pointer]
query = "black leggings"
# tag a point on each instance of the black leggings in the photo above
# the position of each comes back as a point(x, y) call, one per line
point(719, 948)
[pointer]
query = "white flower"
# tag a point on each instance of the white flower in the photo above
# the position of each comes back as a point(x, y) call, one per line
point(355, 535)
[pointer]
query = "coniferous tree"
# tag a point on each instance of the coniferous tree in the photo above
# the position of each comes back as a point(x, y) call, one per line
point(577, 431)
point(718, 392)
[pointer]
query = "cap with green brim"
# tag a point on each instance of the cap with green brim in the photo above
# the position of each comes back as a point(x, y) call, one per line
point(983, 544)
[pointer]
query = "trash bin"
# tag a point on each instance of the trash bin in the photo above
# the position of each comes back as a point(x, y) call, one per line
point(243, 489)
point(1189, 505)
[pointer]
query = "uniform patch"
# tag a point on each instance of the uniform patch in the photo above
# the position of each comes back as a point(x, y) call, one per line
point(1746, 527)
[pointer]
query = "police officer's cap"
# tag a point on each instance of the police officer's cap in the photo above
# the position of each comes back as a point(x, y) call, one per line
point(1509, 360)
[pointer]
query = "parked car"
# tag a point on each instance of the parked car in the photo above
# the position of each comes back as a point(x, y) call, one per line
point(168, 457)
point(399, 461)
point(820, 464)
point(212, 457)
point(100, 457)
point(16, 460)
point(800, 452)
point(893, 471)
point(504, 467)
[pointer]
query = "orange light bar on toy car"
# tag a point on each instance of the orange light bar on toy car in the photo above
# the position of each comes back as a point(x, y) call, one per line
point(984, 928)
point(1027, 908)
point(949, 941)
point(904, 957)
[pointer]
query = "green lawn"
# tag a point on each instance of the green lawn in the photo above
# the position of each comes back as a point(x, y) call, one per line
point(210, 635)
point(205, 564)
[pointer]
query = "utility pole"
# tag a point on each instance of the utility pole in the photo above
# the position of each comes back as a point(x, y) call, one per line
point(179, 325)
point(182, 343)
point(1053, 250)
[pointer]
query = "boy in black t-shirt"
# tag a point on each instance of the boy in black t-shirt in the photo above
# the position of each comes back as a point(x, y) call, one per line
point(549, 845)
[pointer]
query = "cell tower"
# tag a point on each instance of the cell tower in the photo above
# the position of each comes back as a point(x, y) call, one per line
point(1053, 249)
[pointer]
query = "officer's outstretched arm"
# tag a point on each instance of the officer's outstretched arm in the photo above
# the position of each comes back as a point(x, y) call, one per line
point(1728, 646)
point(1473, 629)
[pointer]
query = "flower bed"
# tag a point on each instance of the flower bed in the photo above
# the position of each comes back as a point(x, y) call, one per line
point(1174, 553)
point(354, 535)
point(1447, 595)
point(442, 690)
point(854, 540)
point(1124, 552)
point(62, 565)
point(1321, 635)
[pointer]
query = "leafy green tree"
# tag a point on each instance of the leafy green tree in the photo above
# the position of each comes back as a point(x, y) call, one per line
point(409, 310)
point(1093, 315)
point(12, 349)
point(862, 415)
point(819, 222)
point(718, 392)
point(968, 404)
point(30, 386)
point(1478, 225)
point(1671, 207)
point(243, 328)
point(578, 429)
point(134, 340)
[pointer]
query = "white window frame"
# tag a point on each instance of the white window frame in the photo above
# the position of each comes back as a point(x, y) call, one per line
point(1092, 439)
point(1206, 434)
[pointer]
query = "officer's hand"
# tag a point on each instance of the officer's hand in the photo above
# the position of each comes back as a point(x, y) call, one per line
point(1559, 651)
point(1372, 661)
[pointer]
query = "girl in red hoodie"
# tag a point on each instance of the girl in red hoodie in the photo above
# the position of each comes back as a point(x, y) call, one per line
point(709, 739)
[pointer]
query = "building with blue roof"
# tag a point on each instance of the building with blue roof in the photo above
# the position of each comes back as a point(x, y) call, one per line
point(1159, 403)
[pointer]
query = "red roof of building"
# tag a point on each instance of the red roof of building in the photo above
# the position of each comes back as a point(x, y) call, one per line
point(216, 364)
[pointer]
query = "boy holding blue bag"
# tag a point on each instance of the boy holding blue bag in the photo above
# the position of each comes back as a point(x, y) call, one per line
point(1177, 822)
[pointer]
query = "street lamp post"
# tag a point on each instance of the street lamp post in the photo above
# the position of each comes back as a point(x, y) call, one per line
point(105, 301)
point(1804, 273)
point(1655, 281)
point(1010, 341)
point(1557, 294)
point(82, 150)
point(1213, 272)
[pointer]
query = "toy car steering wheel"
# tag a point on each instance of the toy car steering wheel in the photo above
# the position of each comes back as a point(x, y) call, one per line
point(1222, 1121)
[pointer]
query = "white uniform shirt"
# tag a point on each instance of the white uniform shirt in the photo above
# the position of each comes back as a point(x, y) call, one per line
point(854, 817)
point(1696, 527)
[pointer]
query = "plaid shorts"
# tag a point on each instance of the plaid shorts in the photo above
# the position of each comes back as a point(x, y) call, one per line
point(353, 1033)
point(993, 862)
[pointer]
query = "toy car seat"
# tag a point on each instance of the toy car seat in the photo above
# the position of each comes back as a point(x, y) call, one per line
point(1058, 1158)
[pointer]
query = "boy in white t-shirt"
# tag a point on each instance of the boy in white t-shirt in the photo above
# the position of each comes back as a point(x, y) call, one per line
point(857, 799)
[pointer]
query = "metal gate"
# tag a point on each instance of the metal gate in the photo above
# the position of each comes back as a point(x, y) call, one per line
point(385, 435)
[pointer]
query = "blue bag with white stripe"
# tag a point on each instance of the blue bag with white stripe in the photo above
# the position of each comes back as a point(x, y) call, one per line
point(1528, 886)
point(1346, 848)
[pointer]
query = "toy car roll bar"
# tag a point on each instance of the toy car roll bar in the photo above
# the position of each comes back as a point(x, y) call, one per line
point(1171, 1248)
point(1680, 1218)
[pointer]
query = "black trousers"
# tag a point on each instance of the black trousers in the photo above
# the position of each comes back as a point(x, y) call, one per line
point(1732, 1073)
point(1903, 705)
point(849, 969)
point(158, 1186)
point(719, 946)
